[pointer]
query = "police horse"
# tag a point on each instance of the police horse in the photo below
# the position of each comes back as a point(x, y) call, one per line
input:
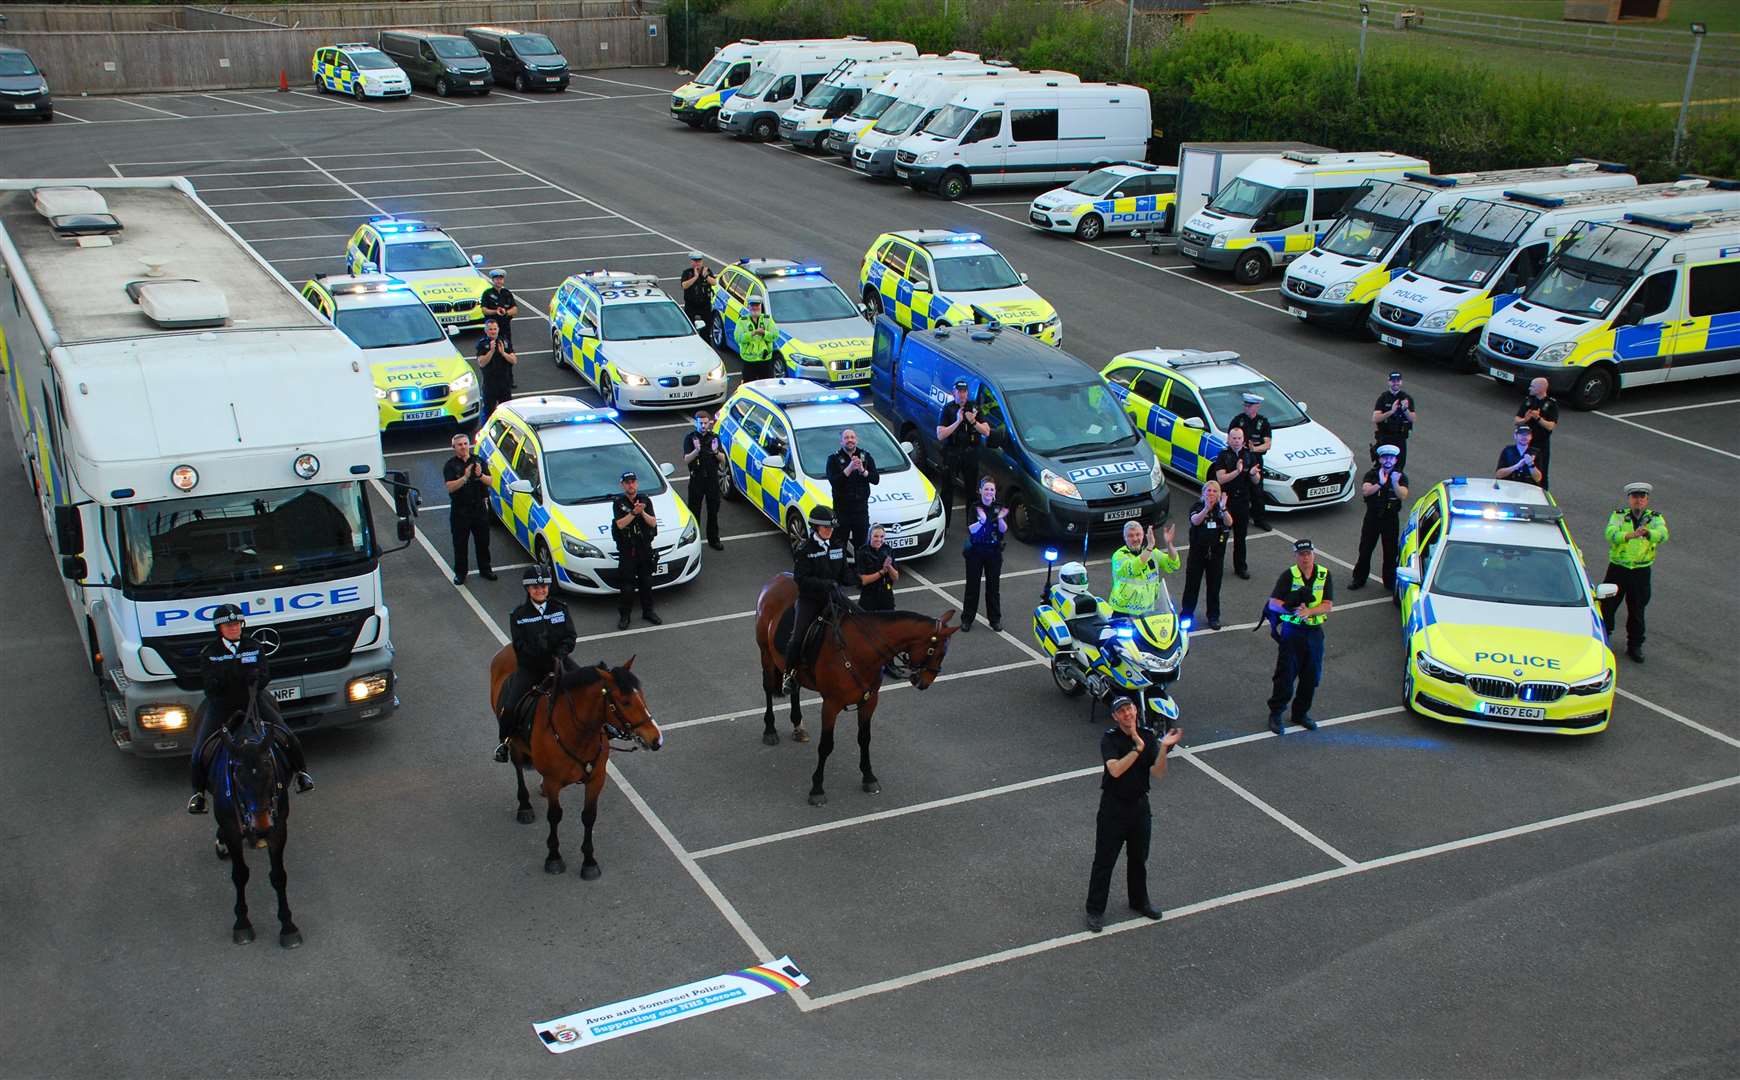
point(248, 777)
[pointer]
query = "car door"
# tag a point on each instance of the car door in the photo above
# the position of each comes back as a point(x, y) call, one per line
point(927, 306)
point(728, 304)
point(1032, 153)
point(528, 509)
point(1418, 543)
point(1195, 445)
point(743, 425)
point(587, 339)
point(1283, 226)
point(1645, 329)
point(500, 446)
point(1707, 340)
point(984, 148)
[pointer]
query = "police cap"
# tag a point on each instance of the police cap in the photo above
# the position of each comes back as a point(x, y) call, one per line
point(822, 515)
point(1395, 376)
point(697, 256)
point(497, 273)
point(1520, 428)
point(1386, 450)
point(227, 613)
point(960, 384)
point(754, 301)
point(1252, 399)
point(535, 575)
point(1122, 700)
point(1639, 488)
point(1300, 546)
point(628, 475)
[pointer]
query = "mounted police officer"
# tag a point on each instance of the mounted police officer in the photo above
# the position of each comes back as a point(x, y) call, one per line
point(961, 432)
point(1633, 533)
point(235, 671)
point(1385, 488)
point(1300, 602)
point(821, 569)
point(543, 635)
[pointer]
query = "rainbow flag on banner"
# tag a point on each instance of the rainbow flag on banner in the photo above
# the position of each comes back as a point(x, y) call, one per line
point(668, 1006)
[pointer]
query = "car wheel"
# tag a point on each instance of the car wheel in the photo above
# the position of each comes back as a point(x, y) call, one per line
point(873, 301)
point(319, 85)
point(716, 330)
point(1252, 267)
point(1166, 222)
point(730, 485)
point(1467, 355)
point(542, 554)
point(953, 185)
point(1090, 228)
point(607, 390)
point(556, 349)
point(522, 84)
point(794, 526)
point(1066, 679)
point(1593, 388)
point(765, 129)
point(357, 91)
point(1023, 526)
point(443, 88)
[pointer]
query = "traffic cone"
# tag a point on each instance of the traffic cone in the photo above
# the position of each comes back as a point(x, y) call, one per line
point(283, 82)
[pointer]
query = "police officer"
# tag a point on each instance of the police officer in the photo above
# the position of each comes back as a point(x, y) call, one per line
point(987, 523)
point(1392, 420)
point(820, 569)
point(1385, 488)
point(697, 281)
point(1633, 534)
point(877, 573)
point(495, 363)
point(1517, 461)
point(500, 307)
point(851, 474)
point(1137, 566)
point(756, 334)
point(961, 433)
point(543, 636)
point(1240, 473)
point(1210, 521)
point(235, 671)
point(1134, 755)
point(466, 477)
point(705, 456)
point(633, 526)
point(1541, 413)
point(1258, 439)
point(1301, 600)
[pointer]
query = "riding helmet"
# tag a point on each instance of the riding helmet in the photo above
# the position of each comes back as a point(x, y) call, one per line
point(821, 515)
point(227, 613)
point(1073, 578)
point(536, 575)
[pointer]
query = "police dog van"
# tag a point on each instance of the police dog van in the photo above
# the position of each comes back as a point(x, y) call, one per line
point(1652, 298)
point(1272, 211)
point(1491, 247)
point(808, 122)
point(786, 75)
point(1130, 195)
point(1390, 223)
point(870, 142)
point(697, 102)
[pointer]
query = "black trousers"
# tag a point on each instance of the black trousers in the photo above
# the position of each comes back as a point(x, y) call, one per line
point(1241, 515)
point(1205, 561)
point(1543, 455)
point(1259, 501)
point(469, 528)
point(1400, 442)
point(1122, 824)
point(853, 527)
point(956, 468)
point(492, 396)
point(1300, 660)
point(804, 614)
point(634, 573)
point(1634, 590)
point(1384, 526)
point(876, 598)
point(210, 717)
point(517, 686)
point(704, 489)
point(984, 560)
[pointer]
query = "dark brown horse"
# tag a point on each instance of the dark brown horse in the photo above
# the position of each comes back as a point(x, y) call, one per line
point(848, 668)
point(246, 776)
point(577, 714)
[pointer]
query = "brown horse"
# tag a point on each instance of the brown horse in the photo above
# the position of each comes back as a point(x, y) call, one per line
point(577, 713)
point(848, 668)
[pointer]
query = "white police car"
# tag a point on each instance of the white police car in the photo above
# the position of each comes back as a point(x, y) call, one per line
point(1128, 195)
point(360, 70)
point(634, 343)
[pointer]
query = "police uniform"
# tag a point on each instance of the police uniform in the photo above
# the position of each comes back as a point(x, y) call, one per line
point(851, 494)
point(542, 636)
point(1511, 456)
point(820, 569)
point(1206, 559)
point(634, 557)
point(1393, 429)
point(1124, 822)
point(1237, 493)
point(756, 334)
point(468, 516)
point(500, 296)
point(1383, 519)
point(1300, 657)
point(698, 293)
point(876, 595)
point(959, 455)
point(497, 375)
point(1136, 579)
point(983, 552)
point(1541, 445)
point(704, 479)
point(1257, 430)
point(235, 674)
point(1629, 560)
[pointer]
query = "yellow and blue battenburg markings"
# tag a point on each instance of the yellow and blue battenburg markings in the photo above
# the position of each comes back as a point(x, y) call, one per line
point(535, 519)
point(774, 491)
point(1279, 243)
point(334, 77)
point(1180, 447)
point(1134, 209)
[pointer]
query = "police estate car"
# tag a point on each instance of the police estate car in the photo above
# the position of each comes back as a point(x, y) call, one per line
point(358, 69)
point(1184, 400)
point(778, 434)
point(1129, 195)
point(941, 277)
point(631, 341)
point(425, 258)
point(419, 376)
point(554, 466)
point(822, 334)
point(1499, 617)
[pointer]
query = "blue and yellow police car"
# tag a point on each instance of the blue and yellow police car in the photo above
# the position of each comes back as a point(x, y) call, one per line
point(360, 70)
point(425, 258)
point(1129, 195)
point(822, 334)
point(942, 277)
point(632, 342)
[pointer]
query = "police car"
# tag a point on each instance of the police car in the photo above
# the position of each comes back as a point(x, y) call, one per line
point(1499, 617)
point(425, 258)
point(1184, 400)
point(419, 376)
point(1129, 195)
point(554, 466)
point(941, 277)
point(631, 341)
point(822, 334)
point(778, 434)
point(360, 70)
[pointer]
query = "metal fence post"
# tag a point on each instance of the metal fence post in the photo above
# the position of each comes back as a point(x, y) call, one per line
point(1686, 98)
point(1129, 31)
point(1359, 65)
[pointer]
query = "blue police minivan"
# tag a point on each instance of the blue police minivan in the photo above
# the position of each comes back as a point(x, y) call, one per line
point(1064, 455)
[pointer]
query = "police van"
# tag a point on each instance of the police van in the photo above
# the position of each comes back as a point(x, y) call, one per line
point(1066, 458)
point(698, 101)
point(995, 135)
point(632, 342)
point(360, 70)
point(1129, 195)
point(945, 277)
point(805, 124)
point(822, 333)
point(1390, 223)
point(445, 63)
point(843, 133)
point(872, 148)
point(425, 258)
point(1491, 247)
point(786, 75)
point(1271, 212)
point(1651, 298)
point(522, 60)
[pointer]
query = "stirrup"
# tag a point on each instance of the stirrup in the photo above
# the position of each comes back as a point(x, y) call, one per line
point(196, 805)
point(501, 752)
point(304, 782)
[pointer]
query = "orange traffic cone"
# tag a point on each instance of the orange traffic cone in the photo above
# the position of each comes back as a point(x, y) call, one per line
point(283, 82)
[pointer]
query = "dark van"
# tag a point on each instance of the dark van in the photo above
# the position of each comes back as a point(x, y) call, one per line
point(23, 89)
point(523, 61)
point(445, 63)
point(1064, 455)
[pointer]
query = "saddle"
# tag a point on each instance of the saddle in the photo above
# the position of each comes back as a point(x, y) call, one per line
point(207, 752)
point(828, 621)
point(524, 710)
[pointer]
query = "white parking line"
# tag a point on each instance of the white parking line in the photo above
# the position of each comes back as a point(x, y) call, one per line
point(441, 210)
point(333, 101)
point(572, 259)
point(418, 165)
point(1282, 819)
point(205, 190)
point(959, 605)
point(61, 111)
point(152, 108)
point(619, 82)
point(1676, 408)
point(243, 104)
point(1671, 715)
point(291, 202)
point(245, 172)
point(1667, 435)
point(430, 165)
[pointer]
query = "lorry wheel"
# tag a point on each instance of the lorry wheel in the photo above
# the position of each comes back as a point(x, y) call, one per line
point(1252, 267)
point(1593, 388)
point(953, 185)
point(1090, 228)
point(764, 129)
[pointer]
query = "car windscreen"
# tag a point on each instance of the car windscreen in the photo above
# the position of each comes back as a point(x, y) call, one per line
point(372, 61)
point(1070, 418)
point(1579, 288)
point(1226, 402)
point(1244, 198)
point(812, 304)
point(1463, 260)
point(970, 273)
point(1505, 574)
point(756, 83)
point(593, 473)
point(17, 63)
point(712, 73)
point(822, 96)
point(389, 327)
point(1362, 236)
point(636, 322)
point(424, 255)
point(873, 106)
point(455, 48)
point(533, 45)
point(1098, 183)
point(897, 120)
point(950, 122)
point(816, 443)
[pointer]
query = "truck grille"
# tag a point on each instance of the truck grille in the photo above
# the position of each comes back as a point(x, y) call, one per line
point(1400, 316)
point(1191, 236)
point(1507, 346)
point(905, 157)
point(305, 646)
point(1310, 290)
point(1502, 689)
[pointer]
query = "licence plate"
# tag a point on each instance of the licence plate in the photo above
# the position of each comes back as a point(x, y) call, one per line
point(477, 82)
point(1513, 712)
point(1188, 251)
point(1039, 219)
point(421, 414)
point(1391, 340)
point(679, 395)
point(552, 78)
point(1296, 312)
point(1122, 515)
point(900, 172)
point(285, 693)
point(1326, 489)
point(861, 166)
point(1501, 375)
point(31, 105)
point(898, 542)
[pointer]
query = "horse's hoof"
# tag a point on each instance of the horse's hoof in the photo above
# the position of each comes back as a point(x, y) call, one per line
point(290, 939)
point(770, 737)
point(260, 844)
point(525, 816)
point(799, 735)
point(818, 799)
point(242, 935)
point(222, 852)
point(590, 872)
point(871, 787)
point(555, 866)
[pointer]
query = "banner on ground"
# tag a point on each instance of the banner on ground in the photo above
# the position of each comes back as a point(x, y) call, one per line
point(668, 1006)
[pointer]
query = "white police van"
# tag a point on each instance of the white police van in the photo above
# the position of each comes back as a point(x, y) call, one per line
point(787, 75)
point(903, 104)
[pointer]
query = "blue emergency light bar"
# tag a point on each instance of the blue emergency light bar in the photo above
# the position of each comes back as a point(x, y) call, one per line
point(828, 398)
point(965, 238)
point(1050, 554)
point(1685, 223)
point(583, 416)
point(391, 224)
point(1550, 202)
point(1496, 511)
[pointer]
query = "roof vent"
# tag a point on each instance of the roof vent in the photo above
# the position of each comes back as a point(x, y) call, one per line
point(180, 303)
point(75, 211)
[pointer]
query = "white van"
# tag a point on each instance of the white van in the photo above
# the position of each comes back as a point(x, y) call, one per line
point(1390, 223)
point(921, 98)
point(993, 135)
point(1491, 248)
point(786, 75)
point(1648, 299)
point(1272, 211)
point(844, 132)
point(697, 102)
point(805, 123)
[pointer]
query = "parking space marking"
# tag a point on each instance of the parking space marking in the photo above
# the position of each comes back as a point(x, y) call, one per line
point(569, 261)
point(243, 104)
point(1671, 715)
point(152, 108)
point(1676, 408)
point(205, 190)
point(430, 165)
point(335, 102)
point(812, 158)
point(61, 111)
point(960, 605)
point(1279, 818)
point(619, 82)
point(1667, 435)
point(289, 202)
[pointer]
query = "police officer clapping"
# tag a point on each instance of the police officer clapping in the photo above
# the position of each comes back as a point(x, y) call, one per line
point(1385, 488)
point(1210, 521)
point(633, 526)
point(704, 454)
point(1133, 755)
point(961, 432)
point(851, 474)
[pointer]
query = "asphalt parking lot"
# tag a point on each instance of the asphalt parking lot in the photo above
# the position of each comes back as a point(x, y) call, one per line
point(1386, 896)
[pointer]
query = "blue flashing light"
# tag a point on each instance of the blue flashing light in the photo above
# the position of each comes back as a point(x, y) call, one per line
point(1127, 632)
point(965, 238)
point(1458, 480)
point(1668, 224)
point(1050, 554)
point(829, 398)
point(121, 493)
point(1187, 622)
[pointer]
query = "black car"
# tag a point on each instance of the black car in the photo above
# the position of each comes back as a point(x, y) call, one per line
point(523, 61)
point(23, 89)
point(445, 63)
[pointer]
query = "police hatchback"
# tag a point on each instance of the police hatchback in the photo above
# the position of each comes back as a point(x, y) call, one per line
point(360, 70)
point(1129, 195)
point(631, 341)
point(942, 277)
point(1501, 623)
point(822, 334)
point(554, 466)
point(425, 258)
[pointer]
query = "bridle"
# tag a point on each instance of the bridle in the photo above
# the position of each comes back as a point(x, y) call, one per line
point(898, 660)
point(615, 732)
point(232, 773)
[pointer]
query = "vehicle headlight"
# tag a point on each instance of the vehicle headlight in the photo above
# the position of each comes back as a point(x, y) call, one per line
point(367, 686)
point(163, 717)
point(380, 394)
point(1556, 354)
point(1051, 322)
point(1155, 479)
point(1218, 242)
point(1059, 485)
point(580, 549)
point(691, 533)
point(464, 382)
point(1600, 684)
point(1277, 474)
point(1442, 672)
point(630, 378)
point(928, 155)
point(1338, 292)
point(803, 359)
point(936, 508)
point(717, 374)
point(1438, 320)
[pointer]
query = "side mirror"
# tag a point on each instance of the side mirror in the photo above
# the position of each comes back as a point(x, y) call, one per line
point(452, 331)
point(369, 267)
point(406, 502)
point(1115, 195)
point(1304, 408)
point(864, 310)
point(73, 568)
point(667, 469)
point(69, 532)
point(1606, 591)
point(700, 324)
point(588, 331)
point(1023, 279)
point(1194, 422)
point(907, 447)
point(1407, 575)
point(520, 487)
point(774, 461)
point(477, 260)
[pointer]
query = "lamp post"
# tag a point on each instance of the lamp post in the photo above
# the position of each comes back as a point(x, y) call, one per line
point(1129, 31)
point(1359, 65)
point(1686, 98)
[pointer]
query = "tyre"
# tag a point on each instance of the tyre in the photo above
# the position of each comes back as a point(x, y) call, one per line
point(1252, 267)
point(1090, 228)
point(1025, 528)
point(443, 88)
point(716, 330)
point(320, 85)
point(873, 301)
point(764, 129)
point(1065, 678)
point(795, 529)
point(1467, 355)
point(953, 185)
point(607, 390)
point(729, 486)
point(1167, 222)
point(1593, 388)
point(357, 91)
point(522, 84)
point(556, 349)
point(542, 555)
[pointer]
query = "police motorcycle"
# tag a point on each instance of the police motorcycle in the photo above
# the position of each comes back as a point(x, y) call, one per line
point(1106, 653)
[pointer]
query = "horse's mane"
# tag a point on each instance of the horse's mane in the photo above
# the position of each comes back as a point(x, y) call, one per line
point(578, 678)
point(889, 616)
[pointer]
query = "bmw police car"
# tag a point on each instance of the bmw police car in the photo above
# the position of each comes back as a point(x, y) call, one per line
point(1128, 195)
point(1499, 617)
point(941, 277)
point(360, 70)
point(822, 334)
point(1184, 399)
point(426, 259)
point(419, 376)
point(554, 465)
point(631, 341)
point(778, 434)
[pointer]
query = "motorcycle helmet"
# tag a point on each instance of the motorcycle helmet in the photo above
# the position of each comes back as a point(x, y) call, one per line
point(1073, 579)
